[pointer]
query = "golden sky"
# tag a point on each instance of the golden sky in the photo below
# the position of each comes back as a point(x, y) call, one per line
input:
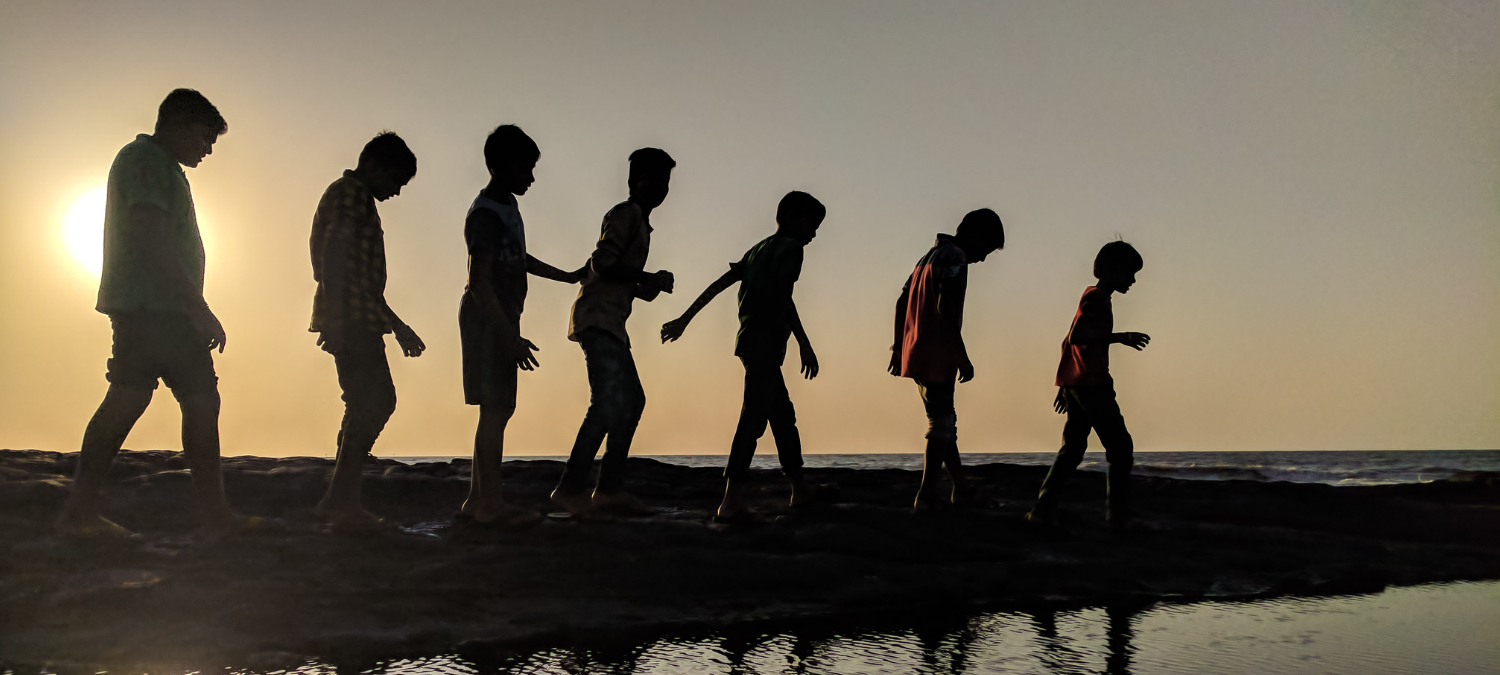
point(1315, 188)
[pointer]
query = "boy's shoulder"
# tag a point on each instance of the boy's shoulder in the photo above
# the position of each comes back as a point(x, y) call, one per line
point(1093, 297)
point(626, 210)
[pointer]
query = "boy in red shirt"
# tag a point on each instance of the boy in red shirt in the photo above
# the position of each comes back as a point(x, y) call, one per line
point(929, 345)
point(1086, 392)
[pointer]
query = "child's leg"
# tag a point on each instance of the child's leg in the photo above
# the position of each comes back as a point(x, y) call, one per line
point(630, 403)
point(782, 416)
point(1075, 442)
point(486, 496)
point(1119, 449)
point(603, 371)
point(942, 437)
point(369, 401)
point(752, 425)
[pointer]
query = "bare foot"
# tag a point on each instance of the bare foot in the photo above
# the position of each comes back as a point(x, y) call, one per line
point(94, 527)
point(575, 504)
point(622, 503)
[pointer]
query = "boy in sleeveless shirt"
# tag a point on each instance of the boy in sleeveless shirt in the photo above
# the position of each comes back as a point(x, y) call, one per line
point(489, 317)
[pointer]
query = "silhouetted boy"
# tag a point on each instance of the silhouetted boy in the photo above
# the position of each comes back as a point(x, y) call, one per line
point(350, 314)
point(1086, 392)
point(616, 277)
point(489, 318)
point(929, 346)
point(152, 289)
point(768, 316)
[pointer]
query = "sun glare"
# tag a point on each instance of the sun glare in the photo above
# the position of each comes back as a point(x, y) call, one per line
point(83, 230)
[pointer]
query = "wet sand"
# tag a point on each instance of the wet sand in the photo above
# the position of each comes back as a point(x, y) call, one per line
point(268, 599)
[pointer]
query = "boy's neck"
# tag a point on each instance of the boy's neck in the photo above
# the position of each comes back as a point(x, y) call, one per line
point(1105, 286)
point(645, 210)
point(499, 194)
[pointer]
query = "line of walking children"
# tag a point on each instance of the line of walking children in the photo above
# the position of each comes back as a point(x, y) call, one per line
point(152, 290)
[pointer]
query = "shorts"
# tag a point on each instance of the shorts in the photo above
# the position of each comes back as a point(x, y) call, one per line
point(489, 374)
point(151, 346)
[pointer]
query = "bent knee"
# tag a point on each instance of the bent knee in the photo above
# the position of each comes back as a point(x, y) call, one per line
point(943, 427)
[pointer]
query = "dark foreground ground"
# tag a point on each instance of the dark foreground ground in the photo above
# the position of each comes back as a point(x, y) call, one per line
point(267, 600)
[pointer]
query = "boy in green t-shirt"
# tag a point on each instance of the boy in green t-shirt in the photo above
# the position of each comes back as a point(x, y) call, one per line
point(152, 289)
point(768, 316)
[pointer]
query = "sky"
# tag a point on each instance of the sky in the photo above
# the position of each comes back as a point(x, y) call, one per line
point(1314, 187)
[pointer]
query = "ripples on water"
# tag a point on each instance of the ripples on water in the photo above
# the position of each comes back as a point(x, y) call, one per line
point(1443, 628)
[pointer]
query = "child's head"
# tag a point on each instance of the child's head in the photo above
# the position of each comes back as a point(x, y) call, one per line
point(650, 176)
point(386, 165)
point(511, 155)
point(187, 125)
point(798, 216)
point(1116, 265)
point(980, 233)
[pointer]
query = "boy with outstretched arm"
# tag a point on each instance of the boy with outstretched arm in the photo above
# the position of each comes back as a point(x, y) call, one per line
point(350, 314)
point(489, 318)
point(616, 277)
point(929, 346)
point(1086, 392)
point(768, 317)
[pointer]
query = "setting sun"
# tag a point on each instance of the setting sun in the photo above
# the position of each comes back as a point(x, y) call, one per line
point(83, 230)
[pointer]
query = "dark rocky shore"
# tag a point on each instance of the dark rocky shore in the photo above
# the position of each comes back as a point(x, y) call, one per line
point(262, 600)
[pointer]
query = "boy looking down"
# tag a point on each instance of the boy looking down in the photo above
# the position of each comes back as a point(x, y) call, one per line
point(768, 316)
point(1086, 391)
point(929, 346)
point(350, 314)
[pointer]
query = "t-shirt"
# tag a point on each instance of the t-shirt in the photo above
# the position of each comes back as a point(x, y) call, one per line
point(145, 173)
point(495, 229)
point(771, 269)
point(605, 302)
point(930, 345)
point(1088, 364)
point(346, 214)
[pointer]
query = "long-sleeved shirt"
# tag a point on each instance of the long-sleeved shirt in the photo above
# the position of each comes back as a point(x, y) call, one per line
point(347, 214)
point(615, 271)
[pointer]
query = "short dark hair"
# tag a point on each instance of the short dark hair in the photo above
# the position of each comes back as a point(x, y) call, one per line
point(389, 151)
point(650, 161)
point(983, 226)
point(798, 204)
point(1117, 256)
point(186, 106)
point(508, 145)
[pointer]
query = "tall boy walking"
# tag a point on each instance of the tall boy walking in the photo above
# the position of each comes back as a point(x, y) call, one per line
point(489, 318)
point(152, 290)
point(616, 277)
point(1086, 391)
point(929, 346)
point(350, 314)
point(768, 316)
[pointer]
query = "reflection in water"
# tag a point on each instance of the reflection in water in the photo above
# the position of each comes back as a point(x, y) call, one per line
point(1446, 628)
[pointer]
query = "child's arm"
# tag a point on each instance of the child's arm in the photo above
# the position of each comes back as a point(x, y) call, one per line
point(673, 329)
point(951, 294)
point(895, 367)
point(1136, 340)
point(809, 359)
point(481, 266)
point(538, 268)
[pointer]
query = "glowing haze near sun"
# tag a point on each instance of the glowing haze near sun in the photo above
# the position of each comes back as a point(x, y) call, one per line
point(83, 231)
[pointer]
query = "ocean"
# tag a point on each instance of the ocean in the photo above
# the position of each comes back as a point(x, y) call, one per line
point(1335, 467)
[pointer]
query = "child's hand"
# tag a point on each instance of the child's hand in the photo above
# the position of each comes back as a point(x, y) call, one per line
point(1136, 340)
point(581, 274)
point(411, 345)
point(525, 360)
point(1060, 404)
point(895, 367)
point(809, 363)
point(965, 371)
point(673, 329)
